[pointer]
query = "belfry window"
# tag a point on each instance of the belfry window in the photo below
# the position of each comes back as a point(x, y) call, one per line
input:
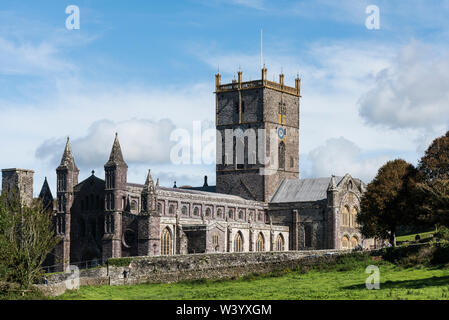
point(281, 155)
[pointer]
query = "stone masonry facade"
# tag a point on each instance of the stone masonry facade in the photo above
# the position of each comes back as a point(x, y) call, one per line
point(258, 204)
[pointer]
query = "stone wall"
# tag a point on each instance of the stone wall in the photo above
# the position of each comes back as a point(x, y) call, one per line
point(162, 269)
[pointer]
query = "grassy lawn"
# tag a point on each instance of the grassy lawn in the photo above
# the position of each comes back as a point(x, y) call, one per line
point(345, 280)
point(411, 237)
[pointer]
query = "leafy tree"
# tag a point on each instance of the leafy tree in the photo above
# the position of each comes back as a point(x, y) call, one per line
point(433, 186)
point(385, 205)
point(435, 163)
point(26, 237)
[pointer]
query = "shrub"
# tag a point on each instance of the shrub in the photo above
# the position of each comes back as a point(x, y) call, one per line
point(443, 233)
point(441, 253)
point(119, 262)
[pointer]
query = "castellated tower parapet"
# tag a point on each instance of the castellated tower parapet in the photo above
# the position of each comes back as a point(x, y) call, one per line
point(253, 107)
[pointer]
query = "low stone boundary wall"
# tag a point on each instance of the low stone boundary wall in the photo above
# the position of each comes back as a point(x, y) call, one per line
point(163, 269)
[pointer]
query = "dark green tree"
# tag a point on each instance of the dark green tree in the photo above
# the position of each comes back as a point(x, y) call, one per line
point(384, 205)
point(26, 237)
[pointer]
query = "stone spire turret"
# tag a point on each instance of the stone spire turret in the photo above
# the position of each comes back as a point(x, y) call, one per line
point(149, 183)
point(116, 156)
point(68, 160)
point(332, 184)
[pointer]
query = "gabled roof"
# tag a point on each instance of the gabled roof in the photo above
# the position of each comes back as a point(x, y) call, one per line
point(303, 190)
point(45, 195)
point(89, 181)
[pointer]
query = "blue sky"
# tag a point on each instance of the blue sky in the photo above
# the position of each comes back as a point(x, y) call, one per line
point(146, 68)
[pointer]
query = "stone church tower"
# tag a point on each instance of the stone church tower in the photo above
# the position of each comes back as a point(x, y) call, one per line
point(67, 178)
point(249, 114)
point(116, 171)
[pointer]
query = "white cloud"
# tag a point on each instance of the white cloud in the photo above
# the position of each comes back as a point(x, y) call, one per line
point(413, 92)
point(339, 156)
point(142, 141)
point(30, 59)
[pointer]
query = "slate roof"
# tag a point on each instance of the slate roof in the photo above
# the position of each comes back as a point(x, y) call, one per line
point(303, 190)
point(199, 191)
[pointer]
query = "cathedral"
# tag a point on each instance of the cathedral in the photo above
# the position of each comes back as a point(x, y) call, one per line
point(259, 202)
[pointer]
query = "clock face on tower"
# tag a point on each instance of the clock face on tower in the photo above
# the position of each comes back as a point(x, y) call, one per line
point(281, 133)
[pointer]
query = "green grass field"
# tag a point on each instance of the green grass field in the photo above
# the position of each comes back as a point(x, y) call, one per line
point(411, 237)
point(345, 280)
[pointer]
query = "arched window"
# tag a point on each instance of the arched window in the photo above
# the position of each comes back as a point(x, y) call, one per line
point(159, 208)
point(230, 213)
point(345, 216)
point(280, 243)
point(260, 243)
point(241, 214)
point(196, 211)
point(208, 212)
point(344, 242)
point(354, 242)
point(215, 242)
point(238, 242)
point(354, 218)
point(350, 185)
point(171, 209)
point(259, 216)
point(184, 210)
point(281, 155)
point(219, 213)
point(166, 242)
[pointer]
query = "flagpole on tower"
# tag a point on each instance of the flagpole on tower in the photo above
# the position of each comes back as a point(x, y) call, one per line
point(261, 48)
